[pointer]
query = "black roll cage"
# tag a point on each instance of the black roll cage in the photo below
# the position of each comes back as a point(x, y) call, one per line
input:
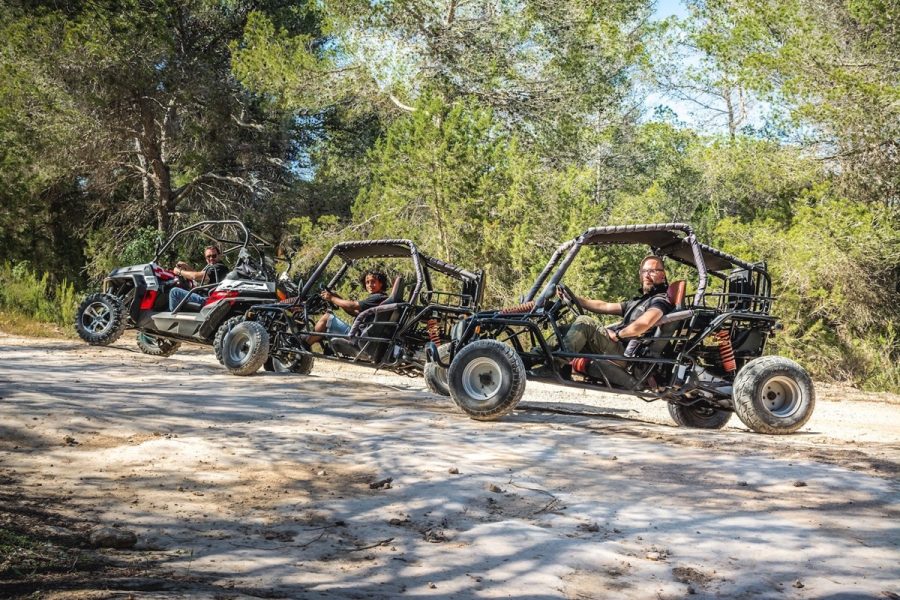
point(352, 251)
point(664, 240)
point(207, 230)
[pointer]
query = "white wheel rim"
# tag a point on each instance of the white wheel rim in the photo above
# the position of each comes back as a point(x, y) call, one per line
point(482, 378)
point(97, 317)
point(239, 347)
point(781, 396)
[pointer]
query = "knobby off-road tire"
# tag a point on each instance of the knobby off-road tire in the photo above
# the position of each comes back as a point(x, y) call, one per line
point(245, 348)
point(100, 319)
point(773, 395)
point(698, 417)
point(156, 346)
point(221, 332)
point(486, 379)
point(302, 365)
point(436, 376)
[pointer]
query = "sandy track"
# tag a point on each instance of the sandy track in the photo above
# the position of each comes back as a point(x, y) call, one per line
point(261, 486)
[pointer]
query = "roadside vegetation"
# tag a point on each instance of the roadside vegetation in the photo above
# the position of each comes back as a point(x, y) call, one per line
point(487, 132)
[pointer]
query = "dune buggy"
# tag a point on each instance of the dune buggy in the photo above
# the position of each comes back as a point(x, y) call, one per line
point(705, 358)
point(137, 297)
point(392, 335)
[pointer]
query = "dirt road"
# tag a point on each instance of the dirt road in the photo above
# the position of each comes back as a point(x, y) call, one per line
point(345, 484)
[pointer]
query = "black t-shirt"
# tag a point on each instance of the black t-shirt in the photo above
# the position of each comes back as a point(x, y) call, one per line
point(655, 298)
point(371, 301)
point(213, 273)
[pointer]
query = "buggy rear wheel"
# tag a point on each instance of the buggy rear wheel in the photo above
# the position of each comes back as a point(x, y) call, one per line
point(486, 379)
point(698, 417)
point(774, 395)
point(302, 364)
point(436, 376)
point(245, 348)
point(156, 346)
point(100, 319)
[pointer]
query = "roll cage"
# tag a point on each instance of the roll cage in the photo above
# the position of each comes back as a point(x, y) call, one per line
point(229, 236)
point(671, 240)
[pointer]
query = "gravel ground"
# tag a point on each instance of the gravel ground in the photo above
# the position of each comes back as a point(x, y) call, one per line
point(354, 484)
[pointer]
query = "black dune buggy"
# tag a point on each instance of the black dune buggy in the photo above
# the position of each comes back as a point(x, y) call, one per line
point(137, 297)
point(392, 335)
point(704, 358)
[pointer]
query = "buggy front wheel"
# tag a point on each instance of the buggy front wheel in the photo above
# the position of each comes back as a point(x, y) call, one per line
point(773, 395)
point(100, 319)
point(301, 364)
point(486, 379)
point(245, 348)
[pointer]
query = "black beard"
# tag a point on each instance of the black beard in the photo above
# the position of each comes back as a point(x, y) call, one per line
point(657, 288)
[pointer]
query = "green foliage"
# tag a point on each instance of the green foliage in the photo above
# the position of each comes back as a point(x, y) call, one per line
point(22, 291)
point(832, 66)
point(449, 177)
point(833, 270)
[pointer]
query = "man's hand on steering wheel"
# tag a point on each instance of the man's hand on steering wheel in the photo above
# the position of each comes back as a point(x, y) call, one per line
point(569, 298)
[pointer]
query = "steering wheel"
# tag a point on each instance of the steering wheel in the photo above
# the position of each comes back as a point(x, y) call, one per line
point(173, 279)
point(568, 298)
point(315, 303)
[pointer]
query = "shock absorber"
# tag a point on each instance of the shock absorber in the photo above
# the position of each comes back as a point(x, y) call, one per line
point(433, 333)
point(726, 351)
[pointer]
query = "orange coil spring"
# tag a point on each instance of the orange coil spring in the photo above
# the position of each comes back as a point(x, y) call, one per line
point(726, 351)
point(521, 308)
point(433, 333)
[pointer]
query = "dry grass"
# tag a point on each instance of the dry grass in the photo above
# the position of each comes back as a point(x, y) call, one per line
point(15, 323)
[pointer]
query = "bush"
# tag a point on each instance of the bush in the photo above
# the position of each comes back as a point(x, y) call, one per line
point(23, 292)
point(832, 273)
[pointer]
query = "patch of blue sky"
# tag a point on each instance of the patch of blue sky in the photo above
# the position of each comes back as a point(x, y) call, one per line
point(661, 103)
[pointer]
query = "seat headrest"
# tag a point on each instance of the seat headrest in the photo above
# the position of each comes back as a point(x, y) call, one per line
point(675, 292)
point(396, 290)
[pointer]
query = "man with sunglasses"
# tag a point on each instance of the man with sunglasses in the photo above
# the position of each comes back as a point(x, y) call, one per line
point(640, 314)
point(213, 272)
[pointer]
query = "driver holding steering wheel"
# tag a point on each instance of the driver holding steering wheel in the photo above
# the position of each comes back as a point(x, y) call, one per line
point(375, 283)
point(640, 313)
point(213, 272)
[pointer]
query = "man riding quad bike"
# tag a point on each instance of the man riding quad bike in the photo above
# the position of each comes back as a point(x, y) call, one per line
point(390, 327)
point(702, 352)
point(138, 297)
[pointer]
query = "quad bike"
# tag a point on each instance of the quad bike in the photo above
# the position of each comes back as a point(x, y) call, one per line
point(137, 297)
point(705, 358)
point(392, 335)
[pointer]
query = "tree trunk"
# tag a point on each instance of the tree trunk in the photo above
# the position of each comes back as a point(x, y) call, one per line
point(152, 145)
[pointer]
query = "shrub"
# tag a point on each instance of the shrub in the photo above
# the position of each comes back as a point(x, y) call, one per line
point(23, 292)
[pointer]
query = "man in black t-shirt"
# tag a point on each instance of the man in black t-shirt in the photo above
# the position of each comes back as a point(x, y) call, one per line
point(213, 272)
point(639, 314)
point(375, 283)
